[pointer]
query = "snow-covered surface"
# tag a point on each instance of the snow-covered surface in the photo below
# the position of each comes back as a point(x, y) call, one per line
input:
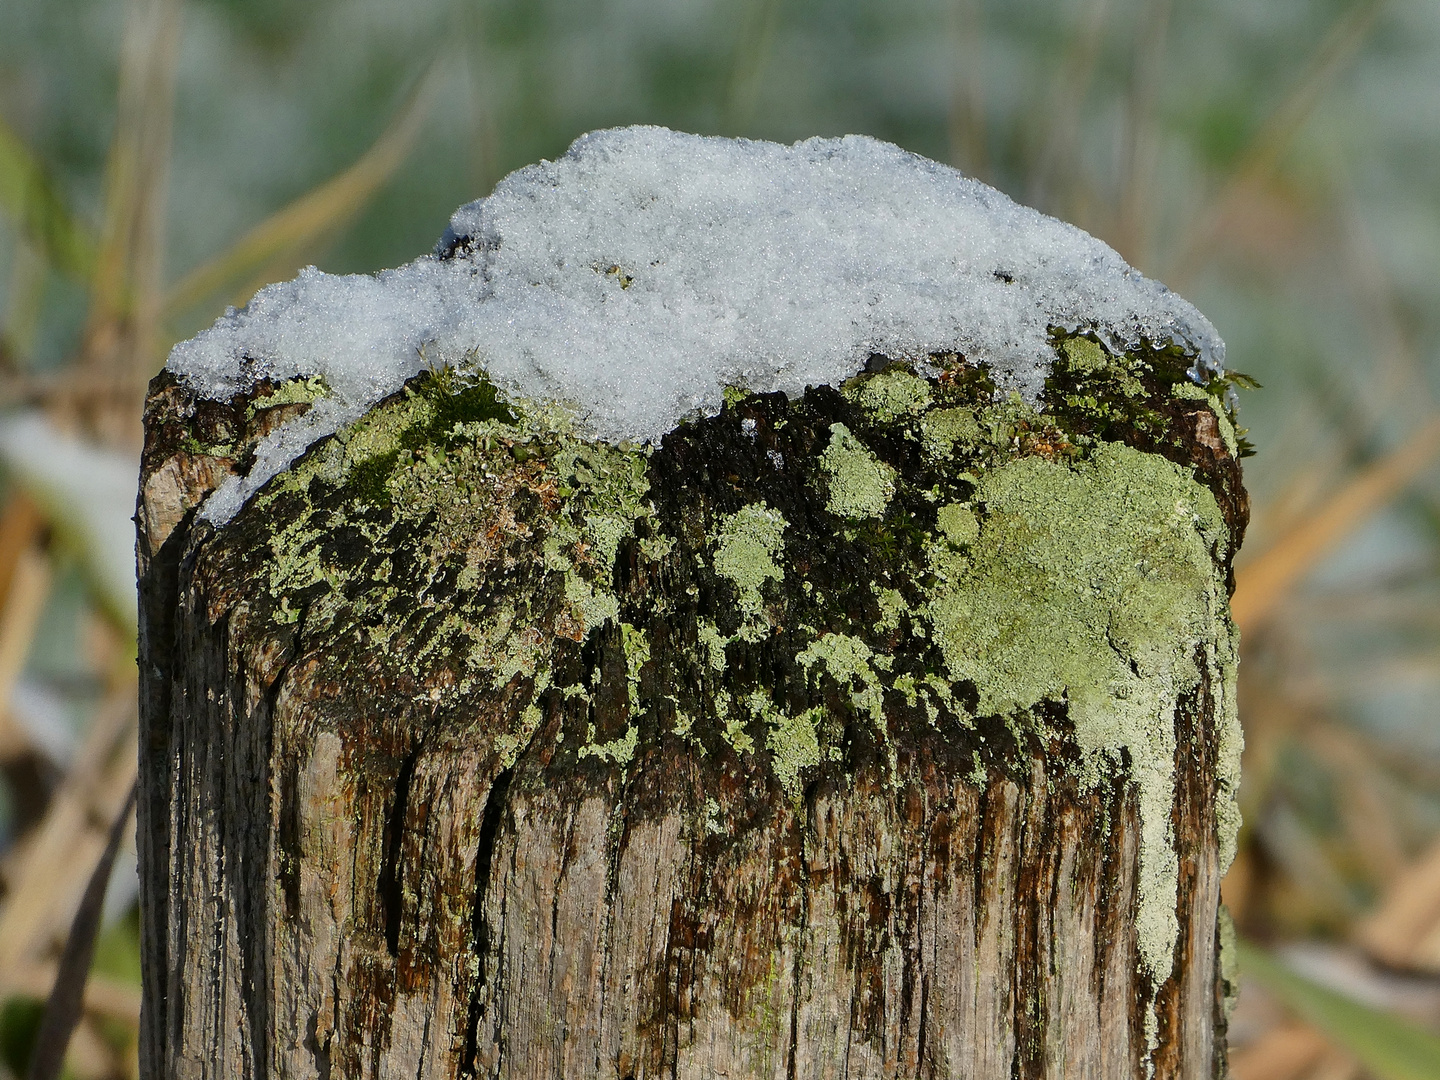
point(646, 270)
point(88, 492)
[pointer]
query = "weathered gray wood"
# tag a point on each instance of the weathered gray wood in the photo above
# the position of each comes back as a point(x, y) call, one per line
point(364, 853)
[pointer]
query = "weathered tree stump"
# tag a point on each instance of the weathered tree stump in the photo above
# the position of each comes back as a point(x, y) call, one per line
point(884, 732)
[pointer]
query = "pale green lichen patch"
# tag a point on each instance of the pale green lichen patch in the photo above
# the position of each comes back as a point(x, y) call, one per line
point(636, 644)
point(735, 722)
point(1094, 584)
point(849, 661)
point(942, 429)
point(860, 484)
point(1223, 655)
point(301, 391)
point(655, 548)
point(746, 547)
point(892, 607)
point(794, 745)
point(713, 643)
point(890, 395)
point(957, 524)
point(620, 751)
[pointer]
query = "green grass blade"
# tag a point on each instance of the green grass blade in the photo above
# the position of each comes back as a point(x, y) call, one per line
point(313, 215)
point(28, 196)
point(1388, 1046)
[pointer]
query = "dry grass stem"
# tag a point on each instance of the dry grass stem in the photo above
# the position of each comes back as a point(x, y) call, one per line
point(1261, 583)
point(47, 873)
point(275, 247)
point(1264, 152)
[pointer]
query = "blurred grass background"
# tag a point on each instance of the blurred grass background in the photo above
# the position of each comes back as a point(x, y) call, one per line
point(1277, 163)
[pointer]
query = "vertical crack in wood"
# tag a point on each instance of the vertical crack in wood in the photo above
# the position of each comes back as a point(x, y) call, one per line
point(253, 897)
point(806, 823)
point(480, 929)
point(1029, 1002)
point(617, 834)
point(390, 885)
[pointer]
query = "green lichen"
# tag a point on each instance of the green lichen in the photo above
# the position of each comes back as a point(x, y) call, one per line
point(713, 642)
point(656, 547)
point(508, 744)
point(735, 732)
point(1223, 656)
point(636, 644)
point(942, 429)
point(892, 608)
point(1094, 584)
point(746, 547)
point(620, 751)
point(301, 391)
point(794, 743)
point(860, 484)
point(890, 395)
point(712, 822)
point(848, 661)
point(957, 524)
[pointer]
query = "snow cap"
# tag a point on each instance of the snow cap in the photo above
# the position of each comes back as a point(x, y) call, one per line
point(646, 270)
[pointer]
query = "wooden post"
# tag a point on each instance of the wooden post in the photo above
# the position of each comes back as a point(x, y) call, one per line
point(884, 732)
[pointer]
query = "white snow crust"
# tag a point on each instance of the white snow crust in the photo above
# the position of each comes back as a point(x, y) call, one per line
point(646, 270)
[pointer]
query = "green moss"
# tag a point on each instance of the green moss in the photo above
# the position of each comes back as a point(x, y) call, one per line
point(1094, 584)
point(746, 547)
point(860, 484)
point(1089, 358)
